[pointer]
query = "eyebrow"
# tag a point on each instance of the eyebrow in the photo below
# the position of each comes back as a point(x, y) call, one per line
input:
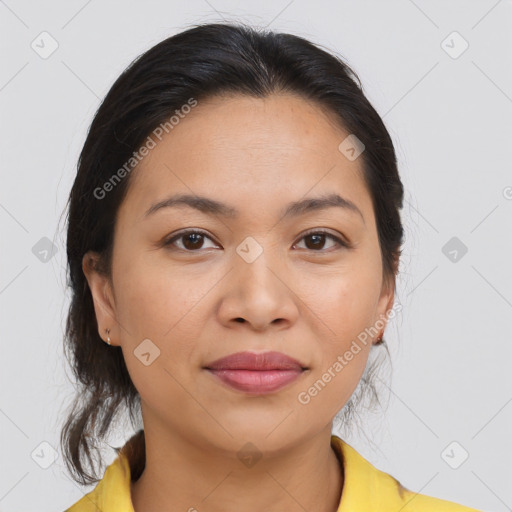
point(294, 209)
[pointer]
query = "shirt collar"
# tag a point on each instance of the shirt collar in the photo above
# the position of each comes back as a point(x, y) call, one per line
point(364, 486)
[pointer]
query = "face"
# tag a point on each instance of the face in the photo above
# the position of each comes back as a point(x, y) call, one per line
point(190, 286)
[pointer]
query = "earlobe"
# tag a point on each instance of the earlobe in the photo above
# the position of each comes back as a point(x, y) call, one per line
point(99, 285)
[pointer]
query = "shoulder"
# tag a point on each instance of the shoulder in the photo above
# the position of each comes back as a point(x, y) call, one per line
point(412, 501)
point(368, 488)
point(111, 493)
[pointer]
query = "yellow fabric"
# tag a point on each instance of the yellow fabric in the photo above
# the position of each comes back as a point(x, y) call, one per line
point(365, 488)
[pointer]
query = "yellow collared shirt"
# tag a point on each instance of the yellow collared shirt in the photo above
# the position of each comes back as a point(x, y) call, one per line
point(365, 488)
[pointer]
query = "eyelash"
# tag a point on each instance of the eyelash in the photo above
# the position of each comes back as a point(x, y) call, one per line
point(177, 236)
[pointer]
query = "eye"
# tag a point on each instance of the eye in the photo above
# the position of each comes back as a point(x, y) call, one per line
point(317, 240)
point(192, 240)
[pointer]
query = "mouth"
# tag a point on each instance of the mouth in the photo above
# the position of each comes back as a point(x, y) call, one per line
point(256, 373)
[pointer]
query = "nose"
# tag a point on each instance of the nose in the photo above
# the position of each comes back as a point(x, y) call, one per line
point(259, 294)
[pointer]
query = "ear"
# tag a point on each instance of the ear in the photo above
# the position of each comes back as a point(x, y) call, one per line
point(103, 298)
point(386, 300)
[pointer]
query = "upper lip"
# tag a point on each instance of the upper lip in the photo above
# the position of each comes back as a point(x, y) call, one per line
point(256, 361)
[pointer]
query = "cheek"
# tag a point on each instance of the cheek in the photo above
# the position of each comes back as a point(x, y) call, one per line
point(343, 357)
point(346, 304)
point(345, 301)
point(165, 304)
point(333, 381)
point(157, 303)
point(154, 298)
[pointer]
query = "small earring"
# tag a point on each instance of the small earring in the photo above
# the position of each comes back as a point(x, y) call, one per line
point(108, 337)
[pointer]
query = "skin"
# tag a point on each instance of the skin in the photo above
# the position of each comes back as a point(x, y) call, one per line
point(308, 301)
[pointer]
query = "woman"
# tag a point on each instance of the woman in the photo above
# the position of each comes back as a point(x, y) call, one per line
point(233, 242)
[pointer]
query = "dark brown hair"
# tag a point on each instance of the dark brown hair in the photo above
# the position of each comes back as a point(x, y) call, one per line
point(200, 62)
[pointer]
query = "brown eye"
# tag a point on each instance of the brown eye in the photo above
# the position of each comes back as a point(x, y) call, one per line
point(191, 240)
point(315, 240)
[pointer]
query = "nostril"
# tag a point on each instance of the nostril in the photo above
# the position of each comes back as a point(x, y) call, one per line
point(239, 320)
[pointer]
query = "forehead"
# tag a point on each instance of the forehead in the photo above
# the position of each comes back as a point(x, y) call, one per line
point(243, 149)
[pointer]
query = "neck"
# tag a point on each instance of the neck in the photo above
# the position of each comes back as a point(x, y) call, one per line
point(184, 475)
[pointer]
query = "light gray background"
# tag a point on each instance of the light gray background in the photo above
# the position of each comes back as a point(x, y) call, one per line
point(450, 119)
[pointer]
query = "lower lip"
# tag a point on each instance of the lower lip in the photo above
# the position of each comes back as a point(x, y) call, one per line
point(256, 381)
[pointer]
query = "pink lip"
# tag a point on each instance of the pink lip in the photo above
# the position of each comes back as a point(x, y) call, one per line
point(256, 373)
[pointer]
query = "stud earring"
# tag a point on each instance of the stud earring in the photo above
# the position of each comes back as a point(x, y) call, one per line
point(108, 335)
